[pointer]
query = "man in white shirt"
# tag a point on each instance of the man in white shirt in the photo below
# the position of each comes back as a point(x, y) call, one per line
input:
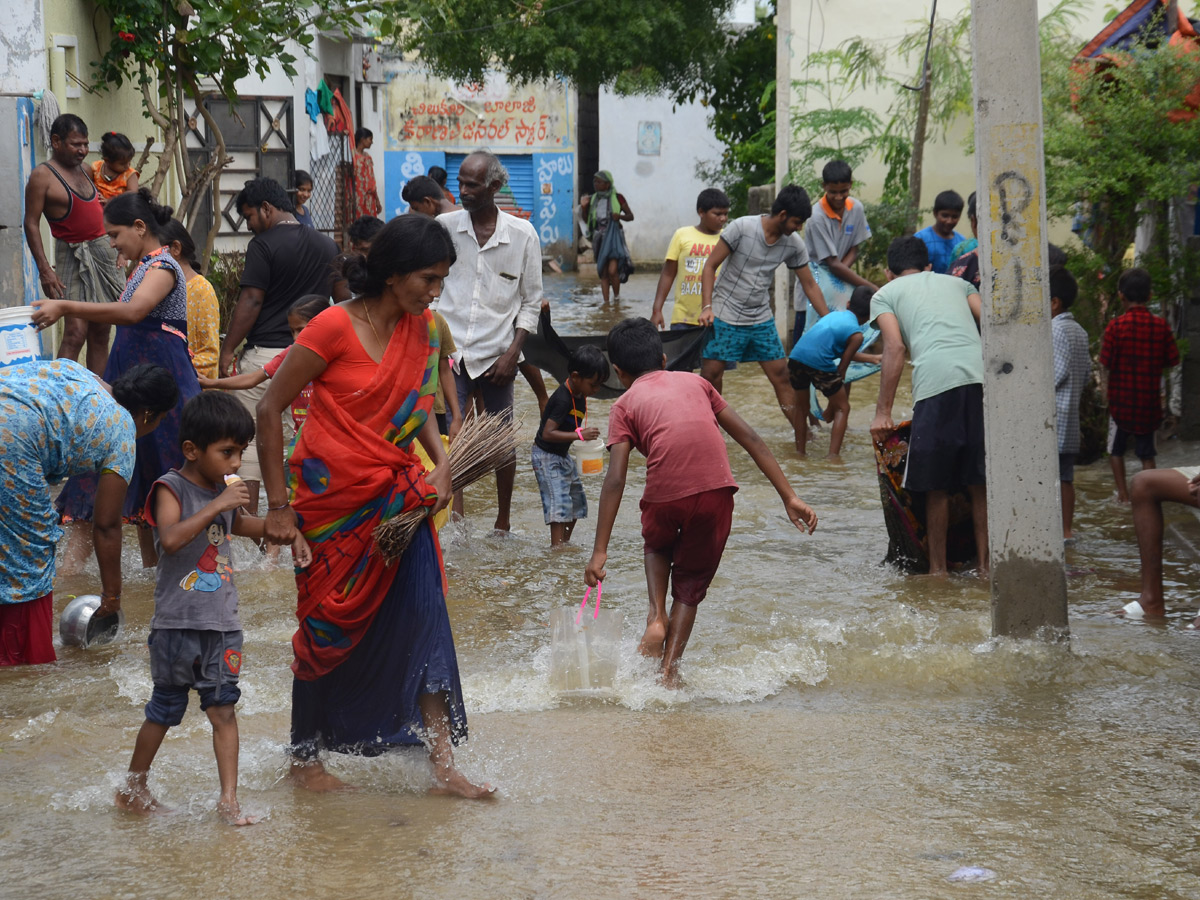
point(491, 298)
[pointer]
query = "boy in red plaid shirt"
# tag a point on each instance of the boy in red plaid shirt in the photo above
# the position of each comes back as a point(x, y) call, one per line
point(1137, 347)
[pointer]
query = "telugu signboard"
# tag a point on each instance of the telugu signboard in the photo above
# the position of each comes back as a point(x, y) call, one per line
point(429, 113)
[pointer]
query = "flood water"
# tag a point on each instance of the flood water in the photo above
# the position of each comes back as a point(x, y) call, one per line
point(845, 731)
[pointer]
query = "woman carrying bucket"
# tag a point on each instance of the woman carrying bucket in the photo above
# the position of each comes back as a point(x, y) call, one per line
point(151, 320)
point(58, 419)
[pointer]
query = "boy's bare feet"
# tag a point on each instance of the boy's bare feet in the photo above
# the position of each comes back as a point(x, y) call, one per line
point(653, 640)
point(451, 782)
point(671, 680)
point(231, 813)
point(312, 776)
point(136, 798)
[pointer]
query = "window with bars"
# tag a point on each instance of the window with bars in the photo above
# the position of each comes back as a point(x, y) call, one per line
point(258, 134)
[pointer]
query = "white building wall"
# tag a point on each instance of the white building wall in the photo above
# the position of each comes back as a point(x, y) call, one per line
point(824, 25)
point(22, 48)
point(661, 189)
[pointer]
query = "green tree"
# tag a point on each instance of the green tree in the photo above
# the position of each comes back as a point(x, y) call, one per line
point(629, 45)
point(1122, 143)
point(184, 54)
point(740, 95)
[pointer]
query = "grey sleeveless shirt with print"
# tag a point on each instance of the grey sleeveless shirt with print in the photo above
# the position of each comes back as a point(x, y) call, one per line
point(194, 586)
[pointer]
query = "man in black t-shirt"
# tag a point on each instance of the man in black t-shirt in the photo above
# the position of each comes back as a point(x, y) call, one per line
point(284, 262)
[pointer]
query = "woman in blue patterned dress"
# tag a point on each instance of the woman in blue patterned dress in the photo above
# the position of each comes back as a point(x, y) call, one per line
point(58, 419)
point(151, 320)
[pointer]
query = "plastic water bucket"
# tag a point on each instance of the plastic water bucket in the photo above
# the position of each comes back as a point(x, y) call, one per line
point(585, 656)
point(20, 341)
point(589, 456)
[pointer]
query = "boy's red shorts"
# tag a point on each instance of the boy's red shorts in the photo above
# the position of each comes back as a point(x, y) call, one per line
point(692, 532)
point(26, 633)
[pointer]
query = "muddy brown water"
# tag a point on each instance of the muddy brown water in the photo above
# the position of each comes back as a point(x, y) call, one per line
point(845, 731)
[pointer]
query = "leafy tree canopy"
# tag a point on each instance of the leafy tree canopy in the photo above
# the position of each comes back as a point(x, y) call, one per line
point(632, 46)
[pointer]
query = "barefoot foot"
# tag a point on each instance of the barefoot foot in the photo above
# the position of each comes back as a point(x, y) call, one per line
point(453, 783)
point(231, 813)
point(312, 776)
point(137, 799)
point(653, 640)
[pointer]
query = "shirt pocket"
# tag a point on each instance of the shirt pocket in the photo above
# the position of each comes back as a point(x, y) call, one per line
point(500, 290)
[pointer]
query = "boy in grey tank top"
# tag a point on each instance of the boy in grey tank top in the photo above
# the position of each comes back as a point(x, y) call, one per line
point(195, 636)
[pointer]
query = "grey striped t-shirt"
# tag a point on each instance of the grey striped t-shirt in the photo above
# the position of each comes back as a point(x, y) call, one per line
point(740, 294)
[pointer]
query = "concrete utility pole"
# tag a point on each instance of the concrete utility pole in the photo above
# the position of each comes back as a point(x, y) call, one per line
point(1029, 589)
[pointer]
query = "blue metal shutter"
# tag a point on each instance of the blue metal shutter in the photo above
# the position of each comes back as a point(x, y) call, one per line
point(517, 197)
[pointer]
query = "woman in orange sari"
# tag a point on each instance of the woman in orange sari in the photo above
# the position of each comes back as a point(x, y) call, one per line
point(375, 666)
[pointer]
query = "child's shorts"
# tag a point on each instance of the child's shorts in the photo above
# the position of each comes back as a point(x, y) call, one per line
point(743, 343)
point(802, 377)
point(186, 658)
point(561, 487)
point(692, 531)
point(1118, 442)
point(1066, 467)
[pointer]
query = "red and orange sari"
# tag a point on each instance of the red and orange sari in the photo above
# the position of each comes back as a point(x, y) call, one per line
point(352, 467)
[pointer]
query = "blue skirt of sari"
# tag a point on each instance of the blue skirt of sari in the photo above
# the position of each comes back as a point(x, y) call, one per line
point(370, 703)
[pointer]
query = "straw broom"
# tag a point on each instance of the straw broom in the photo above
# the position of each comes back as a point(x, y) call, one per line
point(484, 444)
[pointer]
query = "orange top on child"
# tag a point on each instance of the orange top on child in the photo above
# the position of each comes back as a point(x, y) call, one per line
point(113, 173)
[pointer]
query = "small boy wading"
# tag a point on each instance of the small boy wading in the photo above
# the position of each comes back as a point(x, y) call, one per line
point(563, 421)
point(1072, 371)
point(675, 419)
point(1136, 348)
point(195, 636)
point(689, 249)
point(820, 359)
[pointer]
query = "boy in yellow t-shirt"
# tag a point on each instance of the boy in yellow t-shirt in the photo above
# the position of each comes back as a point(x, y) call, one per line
point(686, 255)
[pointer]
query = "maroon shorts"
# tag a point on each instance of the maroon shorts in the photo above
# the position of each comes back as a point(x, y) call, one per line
point(692, 532)
point(26, 633)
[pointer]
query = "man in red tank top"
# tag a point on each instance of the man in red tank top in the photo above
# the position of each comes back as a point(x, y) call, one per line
point(85, 262)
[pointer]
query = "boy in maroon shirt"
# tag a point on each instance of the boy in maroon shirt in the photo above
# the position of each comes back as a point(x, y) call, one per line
point(675, 420)
point(1137, 346)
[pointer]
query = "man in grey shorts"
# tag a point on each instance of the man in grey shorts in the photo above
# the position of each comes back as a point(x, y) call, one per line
point(85, 262)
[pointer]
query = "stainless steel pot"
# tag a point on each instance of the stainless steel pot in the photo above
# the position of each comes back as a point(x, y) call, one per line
point(78, 626)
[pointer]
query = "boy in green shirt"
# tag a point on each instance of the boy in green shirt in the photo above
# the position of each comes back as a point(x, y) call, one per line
point(934, 317)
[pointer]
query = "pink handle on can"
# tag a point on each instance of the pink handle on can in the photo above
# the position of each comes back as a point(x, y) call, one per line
point(583, 602)
point(579, 431)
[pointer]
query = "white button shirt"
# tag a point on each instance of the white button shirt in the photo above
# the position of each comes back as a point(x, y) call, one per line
point(492, 290)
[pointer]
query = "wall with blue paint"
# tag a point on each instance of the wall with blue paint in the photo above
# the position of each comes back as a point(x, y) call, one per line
point(19, 285)
point(553, 205)
point(399, 168)
point(430, 119)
